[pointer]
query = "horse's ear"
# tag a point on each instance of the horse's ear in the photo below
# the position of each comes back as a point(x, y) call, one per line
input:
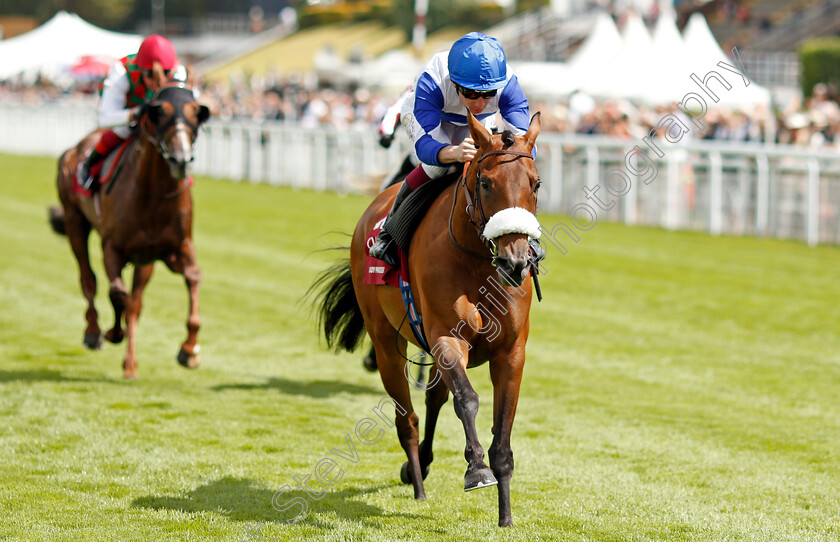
point(190, 76)
point(203, 114)
point(533, 131)
point(478, 132)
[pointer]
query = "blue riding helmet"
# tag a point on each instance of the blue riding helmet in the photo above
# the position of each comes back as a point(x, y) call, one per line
point(477, 61)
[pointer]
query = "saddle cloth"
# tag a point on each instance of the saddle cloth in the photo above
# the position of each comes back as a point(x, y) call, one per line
point(109, 166)
point(378, 272)
point(402, 226)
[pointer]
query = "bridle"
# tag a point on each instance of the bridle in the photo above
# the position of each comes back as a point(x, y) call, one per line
point(177, 95)
point(472, 209)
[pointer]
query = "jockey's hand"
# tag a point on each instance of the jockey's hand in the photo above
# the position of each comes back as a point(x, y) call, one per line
point(386, 139)
point(457, 153)
point(138, 112)
point(465, 150)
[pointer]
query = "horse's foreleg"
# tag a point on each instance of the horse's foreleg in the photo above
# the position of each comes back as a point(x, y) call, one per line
point(114, 263)
point(451, 358)
point(78, 232)
point(506, 374)
point(142, 274)
point(189, 356)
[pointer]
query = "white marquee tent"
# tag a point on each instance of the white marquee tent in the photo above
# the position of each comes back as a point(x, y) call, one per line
point(706, 53)
point(627, 74)
point(600, 46)
point(547, 80)
point(58, 44)
point(632, 65)
point(671, 62)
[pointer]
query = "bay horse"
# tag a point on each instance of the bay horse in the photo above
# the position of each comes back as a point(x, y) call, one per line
point(468, 273)
point(145, 215)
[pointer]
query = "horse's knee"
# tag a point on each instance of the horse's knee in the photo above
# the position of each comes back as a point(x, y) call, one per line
point(88, 281)
point(118, 288)
point(193, 274)
point(466, 405)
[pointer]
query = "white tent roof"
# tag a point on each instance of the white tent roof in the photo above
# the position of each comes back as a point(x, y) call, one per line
point(669, 74)
point(625, 75)
point(58, 44)
point(601, 45)
point(703, 54)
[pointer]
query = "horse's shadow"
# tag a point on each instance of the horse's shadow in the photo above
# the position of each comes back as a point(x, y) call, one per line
point(241, 499)
point(42, 375)
point(317, 389)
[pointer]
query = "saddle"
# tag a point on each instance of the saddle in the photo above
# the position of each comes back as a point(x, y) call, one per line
point(402, 226)
point(106, 169)
point(408, 216)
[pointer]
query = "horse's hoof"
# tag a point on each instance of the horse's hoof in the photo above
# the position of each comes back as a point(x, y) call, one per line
point(478, 479)
point(405, 474)
point(115, 336)
point(190, 361)
point(129, 375)
point(370, 364)
point(93, 341)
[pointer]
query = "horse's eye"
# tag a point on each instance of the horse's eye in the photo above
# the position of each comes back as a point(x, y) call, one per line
point(485, 183)
point(537, 186)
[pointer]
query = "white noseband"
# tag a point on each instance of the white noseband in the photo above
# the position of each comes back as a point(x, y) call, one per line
point(512, 220)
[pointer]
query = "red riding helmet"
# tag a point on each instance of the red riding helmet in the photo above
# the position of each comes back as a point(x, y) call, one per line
point(156, 48)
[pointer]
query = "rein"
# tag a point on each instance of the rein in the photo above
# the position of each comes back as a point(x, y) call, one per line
point(471, 208)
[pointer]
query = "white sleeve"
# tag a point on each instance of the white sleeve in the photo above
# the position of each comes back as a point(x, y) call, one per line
point(112, 104)
point(389, 122)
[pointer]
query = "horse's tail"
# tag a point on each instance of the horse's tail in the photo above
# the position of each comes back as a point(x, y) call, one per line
point(56, 215)
point(338, 308)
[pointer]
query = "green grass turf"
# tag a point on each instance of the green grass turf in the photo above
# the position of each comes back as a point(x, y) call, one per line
point(678, 387)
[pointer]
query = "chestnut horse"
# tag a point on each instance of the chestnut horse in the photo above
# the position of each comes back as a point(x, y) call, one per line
point(146, 215)
point(468, 273)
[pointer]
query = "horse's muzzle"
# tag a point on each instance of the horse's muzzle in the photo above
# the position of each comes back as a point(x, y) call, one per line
point(512, 271)
point(178, 167)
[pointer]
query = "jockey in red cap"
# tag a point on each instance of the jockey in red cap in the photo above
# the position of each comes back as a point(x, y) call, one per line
point(129, 85)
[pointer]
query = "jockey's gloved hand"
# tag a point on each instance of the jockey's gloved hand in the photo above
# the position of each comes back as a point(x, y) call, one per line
point(386, 139)
point(138, 112)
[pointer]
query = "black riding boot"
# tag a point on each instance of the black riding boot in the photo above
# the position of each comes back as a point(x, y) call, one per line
point(385, 248)
point(83, 174)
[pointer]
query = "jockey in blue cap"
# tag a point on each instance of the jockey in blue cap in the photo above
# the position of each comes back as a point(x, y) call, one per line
point(473, 75)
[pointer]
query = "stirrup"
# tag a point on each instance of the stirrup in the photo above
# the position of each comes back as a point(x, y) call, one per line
point(83, 176)
point(383, 249)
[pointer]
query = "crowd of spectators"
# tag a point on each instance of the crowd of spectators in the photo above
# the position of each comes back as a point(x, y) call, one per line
point(813, 122)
